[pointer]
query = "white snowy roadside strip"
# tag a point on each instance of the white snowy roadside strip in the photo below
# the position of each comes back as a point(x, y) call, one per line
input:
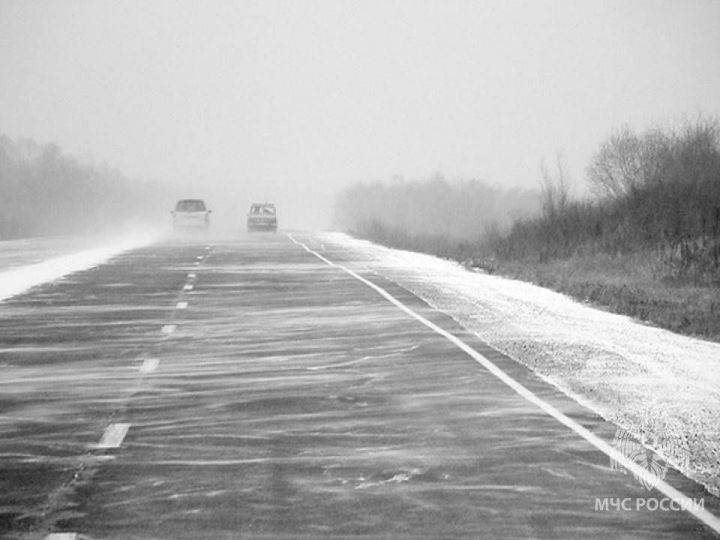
point(662, 387)
point(18, 280)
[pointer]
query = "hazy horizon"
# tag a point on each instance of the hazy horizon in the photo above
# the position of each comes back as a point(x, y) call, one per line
point(292, 101)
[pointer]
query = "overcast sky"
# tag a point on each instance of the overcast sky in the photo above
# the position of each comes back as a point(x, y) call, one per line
point(289, 101)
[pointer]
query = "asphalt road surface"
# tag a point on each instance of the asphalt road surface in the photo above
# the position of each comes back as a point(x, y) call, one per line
point(246, 388)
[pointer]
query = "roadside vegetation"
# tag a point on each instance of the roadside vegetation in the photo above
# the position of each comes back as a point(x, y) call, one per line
point(646, 244)
point(443, 217)
point(45, 192)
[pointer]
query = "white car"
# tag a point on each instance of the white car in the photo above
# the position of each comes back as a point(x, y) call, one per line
point(191, 214)
point(262, 217)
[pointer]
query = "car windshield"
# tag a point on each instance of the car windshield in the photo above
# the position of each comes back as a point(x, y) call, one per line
point(262, 209)
point(190, 206)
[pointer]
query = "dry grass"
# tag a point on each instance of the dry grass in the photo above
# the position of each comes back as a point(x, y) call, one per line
point(628, 285)
point(648, 248)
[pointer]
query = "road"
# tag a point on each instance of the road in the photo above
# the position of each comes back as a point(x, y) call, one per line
point(259, 387)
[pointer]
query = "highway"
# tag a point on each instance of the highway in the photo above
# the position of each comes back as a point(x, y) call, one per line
point(264, 387)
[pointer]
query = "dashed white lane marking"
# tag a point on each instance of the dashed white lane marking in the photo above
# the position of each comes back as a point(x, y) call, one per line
point(113, 436)
point(149, 365)
point(640, 472)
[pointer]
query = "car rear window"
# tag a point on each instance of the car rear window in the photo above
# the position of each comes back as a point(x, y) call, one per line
point(190, 206)
point(262, 209)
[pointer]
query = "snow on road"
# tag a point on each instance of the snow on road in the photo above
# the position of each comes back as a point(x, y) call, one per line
point(27, 263)
point(662, 387)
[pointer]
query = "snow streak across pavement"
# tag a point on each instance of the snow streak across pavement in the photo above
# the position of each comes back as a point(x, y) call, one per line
point(251, 388)
point(662, 388)
point(643, 474)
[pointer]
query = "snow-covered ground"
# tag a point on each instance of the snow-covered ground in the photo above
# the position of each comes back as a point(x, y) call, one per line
point(30, 262)
point(662, 387)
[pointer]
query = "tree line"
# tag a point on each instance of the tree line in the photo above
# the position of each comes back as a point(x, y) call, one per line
point(656, 191)
point(46, 192)
point(416, 213)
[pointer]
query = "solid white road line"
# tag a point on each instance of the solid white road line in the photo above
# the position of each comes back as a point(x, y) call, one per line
point(113, 436)
point(61, 536)
point(168, 328)
point(648, 477)
point(181, 305)
point(149, 365)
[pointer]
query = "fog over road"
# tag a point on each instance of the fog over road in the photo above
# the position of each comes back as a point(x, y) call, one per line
point(245, 388)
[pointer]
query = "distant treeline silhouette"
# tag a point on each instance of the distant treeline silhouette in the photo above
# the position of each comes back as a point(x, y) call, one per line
point(45, 192)
point(432, 212)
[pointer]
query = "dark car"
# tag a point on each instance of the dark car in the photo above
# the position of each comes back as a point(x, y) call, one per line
point(191, 214)
point(262, 217)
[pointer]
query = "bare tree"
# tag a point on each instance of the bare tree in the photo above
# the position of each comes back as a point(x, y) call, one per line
point(615, 169)
point(626, 161)
point(554, 187)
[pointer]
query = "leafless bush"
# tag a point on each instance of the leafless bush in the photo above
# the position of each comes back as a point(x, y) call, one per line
point(659, 192)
